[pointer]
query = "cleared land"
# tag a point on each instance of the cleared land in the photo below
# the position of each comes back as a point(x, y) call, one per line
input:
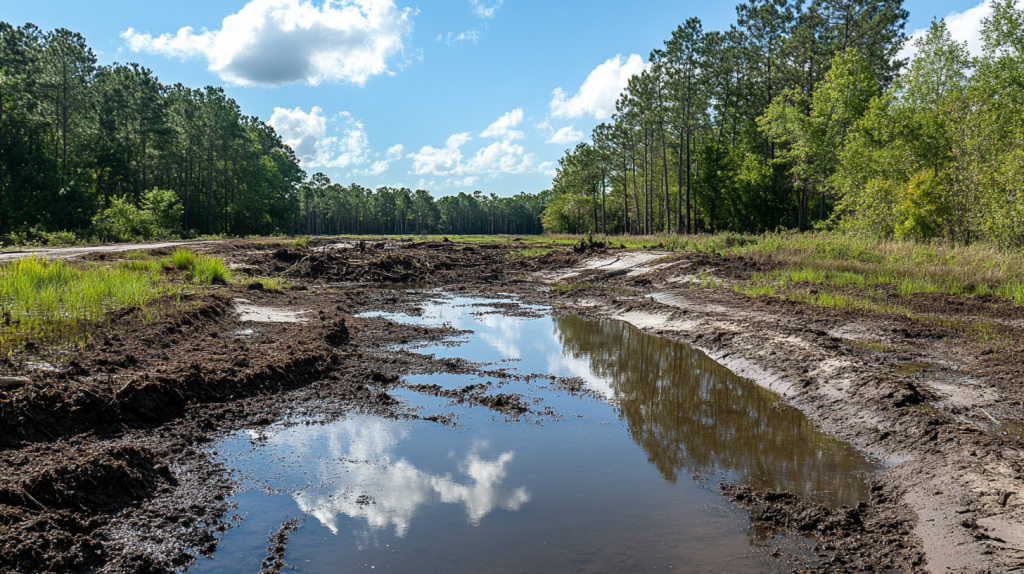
point(912, 353)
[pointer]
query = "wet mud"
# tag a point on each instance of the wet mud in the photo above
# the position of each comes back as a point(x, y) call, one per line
point(104, 464)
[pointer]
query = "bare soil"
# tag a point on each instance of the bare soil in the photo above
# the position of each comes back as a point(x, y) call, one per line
point(102, 466)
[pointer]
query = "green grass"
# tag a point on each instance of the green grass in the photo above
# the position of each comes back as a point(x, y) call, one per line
point(531, 252)
point(202, 268)
point(301, 242)
point(183, 259)
point(136, 254)
point(52, 299)
point(209, 270)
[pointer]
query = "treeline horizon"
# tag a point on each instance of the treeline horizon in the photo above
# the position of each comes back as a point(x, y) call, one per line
point(91, 152)
point(801, 116)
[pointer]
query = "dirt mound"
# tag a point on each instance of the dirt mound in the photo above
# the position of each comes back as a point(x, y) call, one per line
point(99, 482)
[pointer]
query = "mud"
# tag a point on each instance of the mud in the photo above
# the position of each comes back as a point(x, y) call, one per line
point(102, 466)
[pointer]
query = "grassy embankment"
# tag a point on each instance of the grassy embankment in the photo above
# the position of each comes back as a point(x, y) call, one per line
point(55, 302)
point(865, 275)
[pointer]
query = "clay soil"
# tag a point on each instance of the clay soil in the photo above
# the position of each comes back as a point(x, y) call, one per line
point(102, 459)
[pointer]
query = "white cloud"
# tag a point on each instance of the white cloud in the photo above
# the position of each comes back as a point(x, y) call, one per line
point(500, 157)
point(565, 135)
point(307, 135)
point(485, 9)
point(380, 166)
point(497, 158)
point(466, 181)
point(467, 36)
point(440, 161)
point(963, 27)
point(274, 42)
point(502, 127)
point(599, 91)
point(363, 462)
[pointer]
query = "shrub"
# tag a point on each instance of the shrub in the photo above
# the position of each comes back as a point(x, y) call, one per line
point(165, 209)
point(122, 221)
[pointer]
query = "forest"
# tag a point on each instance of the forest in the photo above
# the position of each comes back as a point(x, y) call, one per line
point(803, 116)
point(109, 153)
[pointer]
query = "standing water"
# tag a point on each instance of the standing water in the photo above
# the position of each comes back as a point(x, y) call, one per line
point(613, 482)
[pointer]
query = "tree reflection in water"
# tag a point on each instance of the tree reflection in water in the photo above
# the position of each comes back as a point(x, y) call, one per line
point(690, 414)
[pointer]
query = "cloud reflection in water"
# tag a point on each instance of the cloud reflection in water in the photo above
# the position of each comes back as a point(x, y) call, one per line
point(369, 483)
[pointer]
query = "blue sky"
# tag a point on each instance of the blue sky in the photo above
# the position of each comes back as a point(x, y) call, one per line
point(450, 96)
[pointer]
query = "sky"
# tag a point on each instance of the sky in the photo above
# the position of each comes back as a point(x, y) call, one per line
point(448, 96)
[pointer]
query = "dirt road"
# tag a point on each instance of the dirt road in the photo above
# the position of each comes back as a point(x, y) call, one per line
point(76, 252)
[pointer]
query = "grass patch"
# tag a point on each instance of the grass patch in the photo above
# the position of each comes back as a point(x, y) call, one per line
point(532, 252)
point(209, 270)
point(136, 255)
point(53, 300)
point(183, 259)
point(202, 268)
point(301, 242)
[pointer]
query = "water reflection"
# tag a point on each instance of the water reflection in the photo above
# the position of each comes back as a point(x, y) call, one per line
point(366, 481)
point(690, 414)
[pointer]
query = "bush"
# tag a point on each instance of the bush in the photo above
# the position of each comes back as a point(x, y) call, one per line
point(165, 209)
point(122, 221)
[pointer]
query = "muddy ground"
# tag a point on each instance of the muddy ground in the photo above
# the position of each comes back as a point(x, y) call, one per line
point(102, 460)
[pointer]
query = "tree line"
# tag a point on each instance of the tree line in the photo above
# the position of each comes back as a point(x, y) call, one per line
point(331, 208)
point(686, 149)
point(802, 116)
point(111, 153)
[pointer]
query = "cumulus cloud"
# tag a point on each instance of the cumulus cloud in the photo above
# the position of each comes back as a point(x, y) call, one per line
point(963, 27)
point(502, 127)
point(466, 181)
point(274, 42)
point(381, 165)
point(497, 158)
point(500, 157)
point(485, 9)
point(565, 135)
point(307, 135)
point(597, 95)
point(440, 161)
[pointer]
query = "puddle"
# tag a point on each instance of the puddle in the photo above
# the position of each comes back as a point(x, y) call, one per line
point(616, 481)
point(911, 369)
point(259, 314)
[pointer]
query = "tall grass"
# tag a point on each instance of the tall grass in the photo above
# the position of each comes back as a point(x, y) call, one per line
point(51, 298)
point(203, 268)
point(207, 270)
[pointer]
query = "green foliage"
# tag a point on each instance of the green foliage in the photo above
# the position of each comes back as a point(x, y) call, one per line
point(124, 222)
point(685, 151)
point(939, 155)
point(301, 242)
point(165, 209)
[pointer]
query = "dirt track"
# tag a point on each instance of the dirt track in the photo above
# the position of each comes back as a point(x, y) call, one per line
point(103, 470)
